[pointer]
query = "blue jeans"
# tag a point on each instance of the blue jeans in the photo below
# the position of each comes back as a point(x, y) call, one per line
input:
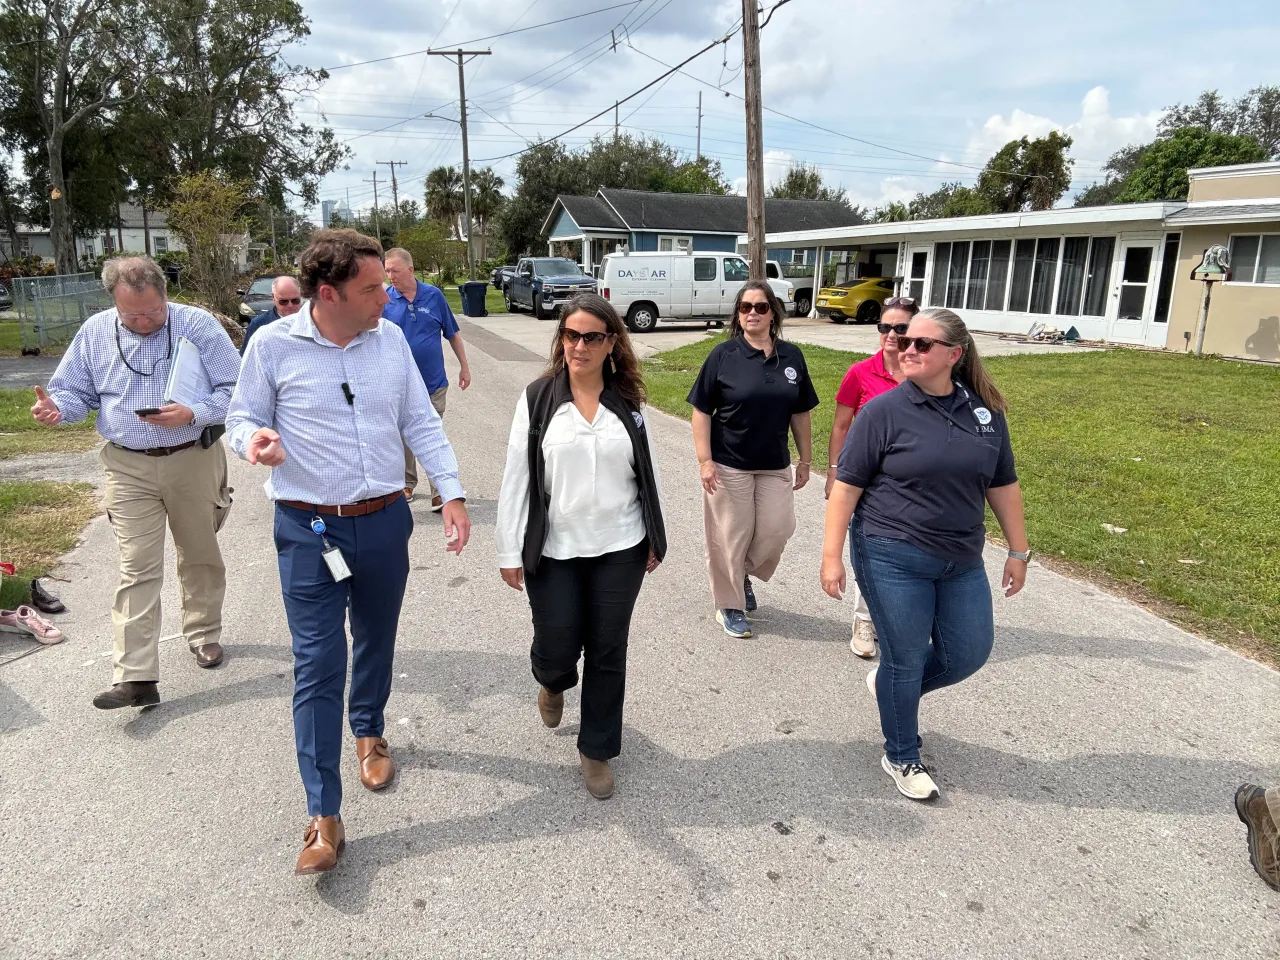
point(915, 598)
point(376, 548)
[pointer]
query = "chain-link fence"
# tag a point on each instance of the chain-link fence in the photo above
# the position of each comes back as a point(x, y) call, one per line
point(51, 309)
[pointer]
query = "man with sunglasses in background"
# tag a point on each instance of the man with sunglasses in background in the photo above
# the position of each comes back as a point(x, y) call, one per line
point(286, 300)
point(163, 461)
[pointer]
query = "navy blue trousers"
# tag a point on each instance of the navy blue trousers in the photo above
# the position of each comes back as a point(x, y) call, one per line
point(376, 548)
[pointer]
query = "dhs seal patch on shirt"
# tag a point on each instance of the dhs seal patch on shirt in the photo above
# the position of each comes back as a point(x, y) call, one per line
point(982, 415)
point(791, 374)
point(635, 415)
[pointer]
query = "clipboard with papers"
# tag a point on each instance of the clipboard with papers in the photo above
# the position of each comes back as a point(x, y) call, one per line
point(188, 382)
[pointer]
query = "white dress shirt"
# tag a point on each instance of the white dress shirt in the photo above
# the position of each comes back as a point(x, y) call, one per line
point(590, 475)
point(339, 452)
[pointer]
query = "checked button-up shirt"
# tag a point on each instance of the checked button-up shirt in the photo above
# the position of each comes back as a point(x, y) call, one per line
point(339, 452)
point(95, 374)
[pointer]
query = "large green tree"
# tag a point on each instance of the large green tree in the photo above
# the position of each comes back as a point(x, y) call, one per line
point(66, 65)
point(1115, 171)
point(624, 162)
point(443, 195)
point(486, 204)
point(1161, 174)
point(803, 181)
point(1027, 174)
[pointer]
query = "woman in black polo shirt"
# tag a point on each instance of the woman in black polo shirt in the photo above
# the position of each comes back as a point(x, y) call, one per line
point(919, 466)
point(751, 391)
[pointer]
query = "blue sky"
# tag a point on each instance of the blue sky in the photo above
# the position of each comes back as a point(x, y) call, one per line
point(935, 86)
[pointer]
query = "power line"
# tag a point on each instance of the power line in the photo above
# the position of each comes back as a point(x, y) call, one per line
point(492, 36)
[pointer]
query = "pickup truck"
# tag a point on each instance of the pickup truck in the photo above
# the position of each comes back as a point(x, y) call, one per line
point(545, 284)
point(499, 277)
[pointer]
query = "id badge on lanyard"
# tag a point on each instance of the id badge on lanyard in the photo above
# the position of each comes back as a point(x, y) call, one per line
point(333, 558)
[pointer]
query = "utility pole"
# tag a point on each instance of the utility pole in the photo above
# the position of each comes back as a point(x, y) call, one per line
point(615, 120)
point(755, 140)
point(466, 156)
point(699, 124)
point(377, 227)
point(395, 192)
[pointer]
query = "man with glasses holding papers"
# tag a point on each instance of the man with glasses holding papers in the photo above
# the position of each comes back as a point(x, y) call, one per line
point(163, 459)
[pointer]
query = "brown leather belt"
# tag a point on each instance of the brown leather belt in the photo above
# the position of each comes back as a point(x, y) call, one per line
point(158, 451)
point(358, 509)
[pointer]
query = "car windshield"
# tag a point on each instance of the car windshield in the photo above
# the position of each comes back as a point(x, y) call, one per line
point(261, 287)
point(556, 267)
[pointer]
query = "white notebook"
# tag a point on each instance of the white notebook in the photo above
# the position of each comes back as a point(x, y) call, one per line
point(189, 383)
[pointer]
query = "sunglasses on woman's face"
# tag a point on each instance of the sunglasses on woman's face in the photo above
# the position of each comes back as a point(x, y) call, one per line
point(899, 328)
point(922, 344)
point(592, 339)
point(760, 306)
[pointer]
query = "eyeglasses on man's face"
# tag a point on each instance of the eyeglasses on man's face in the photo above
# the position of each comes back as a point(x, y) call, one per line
point(288, 301)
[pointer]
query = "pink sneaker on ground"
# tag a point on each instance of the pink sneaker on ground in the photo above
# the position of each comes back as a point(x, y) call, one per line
point(26, 620)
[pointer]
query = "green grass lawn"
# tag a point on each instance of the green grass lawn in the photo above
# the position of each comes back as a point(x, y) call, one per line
point(493, 301)
point(1184, 453)
point(39, 522)
point(11, 341)
point(19, 432)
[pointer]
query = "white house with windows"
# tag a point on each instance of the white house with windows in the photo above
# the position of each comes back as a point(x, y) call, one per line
point(1119, 273)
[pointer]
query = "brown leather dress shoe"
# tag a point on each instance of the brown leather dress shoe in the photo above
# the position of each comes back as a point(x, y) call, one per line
point(551, 706)
point(208, 654)
point(130, 693)
point(377, 769)
point(322, 843)
point(1264, 832)
point(598, 776)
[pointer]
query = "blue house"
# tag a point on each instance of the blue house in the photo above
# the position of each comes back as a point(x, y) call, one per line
point(587, 228)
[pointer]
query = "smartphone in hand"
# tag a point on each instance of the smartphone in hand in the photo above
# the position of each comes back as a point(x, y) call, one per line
point(147, 411)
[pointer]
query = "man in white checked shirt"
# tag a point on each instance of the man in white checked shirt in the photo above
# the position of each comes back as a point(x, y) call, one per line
point(323, 399)
point(157, 467)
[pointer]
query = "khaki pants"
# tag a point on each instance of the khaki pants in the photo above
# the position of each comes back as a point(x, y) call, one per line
point(189, 490)
point(748, 521)
point(410, 461)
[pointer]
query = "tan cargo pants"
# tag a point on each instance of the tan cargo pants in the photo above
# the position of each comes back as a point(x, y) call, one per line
point(410, 461)
point(189, 490)
point(747, 522)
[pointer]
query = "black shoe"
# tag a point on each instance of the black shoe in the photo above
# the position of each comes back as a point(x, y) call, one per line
point(751, 595)
point(44, 601)
point(131, 693)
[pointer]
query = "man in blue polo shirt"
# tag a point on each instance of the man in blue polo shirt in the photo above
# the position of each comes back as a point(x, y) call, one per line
point(422, 312)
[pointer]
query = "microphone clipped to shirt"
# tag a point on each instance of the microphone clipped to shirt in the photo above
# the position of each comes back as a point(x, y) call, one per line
point(346, 392)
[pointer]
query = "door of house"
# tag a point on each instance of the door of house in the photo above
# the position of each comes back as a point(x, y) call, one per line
point(1133, 295)
point(917, 273)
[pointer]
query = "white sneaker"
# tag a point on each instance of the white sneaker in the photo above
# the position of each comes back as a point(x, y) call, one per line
point(871, 680)
point(912, 779)
point(863, 641)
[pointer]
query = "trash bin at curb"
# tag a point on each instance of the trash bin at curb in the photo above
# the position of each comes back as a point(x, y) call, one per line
point(473, 294)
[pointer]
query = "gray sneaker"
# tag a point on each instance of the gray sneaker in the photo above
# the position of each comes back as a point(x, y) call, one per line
point(911, 779)
point(735, 623)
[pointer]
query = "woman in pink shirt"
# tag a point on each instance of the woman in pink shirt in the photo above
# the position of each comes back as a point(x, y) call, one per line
point(866, 379)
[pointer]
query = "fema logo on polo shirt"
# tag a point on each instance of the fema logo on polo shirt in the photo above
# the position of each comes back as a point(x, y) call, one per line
point(982, 415)
point(635, 415)
point(791, 374)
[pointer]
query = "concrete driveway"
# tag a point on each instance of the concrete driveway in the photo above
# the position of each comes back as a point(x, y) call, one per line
point(1087, 771)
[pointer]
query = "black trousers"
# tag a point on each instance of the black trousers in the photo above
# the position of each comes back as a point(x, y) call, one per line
point(582, 608)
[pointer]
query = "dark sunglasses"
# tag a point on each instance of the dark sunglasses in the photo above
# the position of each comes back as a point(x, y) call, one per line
point(922, 344)
point(290, 301)
point(899, 328)
point(761, 307)
point(592, 339)
point(900, 302)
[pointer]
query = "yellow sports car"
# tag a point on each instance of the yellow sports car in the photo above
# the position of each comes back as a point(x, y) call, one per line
point(858, 300)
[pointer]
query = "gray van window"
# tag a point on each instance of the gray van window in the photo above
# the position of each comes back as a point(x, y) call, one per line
point(736, 270)
point(704, 268)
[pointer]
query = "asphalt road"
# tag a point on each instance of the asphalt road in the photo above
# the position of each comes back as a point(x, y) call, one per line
point(1087, 771)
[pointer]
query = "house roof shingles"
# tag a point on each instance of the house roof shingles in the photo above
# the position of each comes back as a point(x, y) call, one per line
point(713, 213)
point(592, 212)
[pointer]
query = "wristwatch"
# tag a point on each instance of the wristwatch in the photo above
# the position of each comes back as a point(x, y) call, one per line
point(1024, 557)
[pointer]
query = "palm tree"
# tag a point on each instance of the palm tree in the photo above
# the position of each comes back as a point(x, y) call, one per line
point(486, 203)
point(444, 196)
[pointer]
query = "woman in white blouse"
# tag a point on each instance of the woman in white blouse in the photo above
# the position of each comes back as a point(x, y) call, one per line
point(580, 522)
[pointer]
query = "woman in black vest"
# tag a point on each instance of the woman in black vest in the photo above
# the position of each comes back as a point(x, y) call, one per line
point(580, 522)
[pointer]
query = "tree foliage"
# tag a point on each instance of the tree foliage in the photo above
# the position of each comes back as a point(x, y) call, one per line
point(624, 162)
point(1115, 171)
point(1161, 174)
point(1026, 174)
point(208, 212)
point(803, 181)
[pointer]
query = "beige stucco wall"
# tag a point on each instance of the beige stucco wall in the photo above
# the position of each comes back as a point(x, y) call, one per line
point(1244, 319)
point(1235, 188)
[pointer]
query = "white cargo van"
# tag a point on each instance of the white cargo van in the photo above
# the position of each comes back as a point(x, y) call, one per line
point(646, 287)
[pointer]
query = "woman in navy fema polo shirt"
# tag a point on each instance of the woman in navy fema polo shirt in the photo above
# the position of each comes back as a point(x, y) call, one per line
point(915, 474)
